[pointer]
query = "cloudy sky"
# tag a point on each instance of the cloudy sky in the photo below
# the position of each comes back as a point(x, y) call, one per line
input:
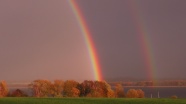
point(42, 39)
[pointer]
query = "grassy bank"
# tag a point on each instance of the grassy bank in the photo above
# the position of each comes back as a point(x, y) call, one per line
point(90, 101)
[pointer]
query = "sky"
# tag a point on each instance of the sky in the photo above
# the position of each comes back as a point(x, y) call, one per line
point(42, 39)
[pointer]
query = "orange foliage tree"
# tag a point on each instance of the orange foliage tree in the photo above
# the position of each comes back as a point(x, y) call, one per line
point(41, 88)
point(57, 88)
point(75, 92)
point(3, 89)
point(141, 94)
point(100, 89)
point(110, 93)
point(97, 90)
point(70, 89)
point(132, 93)
point(119, 91)
point(85, 87)
point(107, 90)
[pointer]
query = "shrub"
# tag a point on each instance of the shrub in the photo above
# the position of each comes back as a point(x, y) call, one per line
point(141, 94)
point(132, 93)
point(174, 97)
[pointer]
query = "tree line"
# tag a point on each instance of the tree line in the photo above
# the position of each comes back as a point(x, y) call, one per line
point(71, 88)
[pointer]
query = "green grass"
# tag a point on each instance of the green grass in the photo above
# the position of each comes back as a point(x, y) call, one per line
point(90, 101)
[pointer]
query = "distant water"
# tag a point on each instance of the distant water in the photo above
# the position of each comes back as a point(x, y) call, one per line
point(164, 92)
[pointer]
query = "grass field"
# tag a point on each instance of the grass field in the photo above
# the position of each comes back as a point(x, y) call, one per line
point(90, 101)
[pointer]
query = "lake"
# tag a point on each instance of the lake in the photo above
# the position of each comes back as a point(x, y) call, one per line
point(164, 92)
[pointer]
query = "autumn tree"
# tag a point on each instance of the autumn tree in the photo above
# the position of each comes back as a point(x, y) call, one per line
point(75, 92)
point(70, 89)
point(119, 91)
point(85, 87)
point(97, 90)
point(3, 89)
point(110, 93)
point(41, 88)
point(141, 94)
point(57, 88)
point(132, 93)
point(100, 89)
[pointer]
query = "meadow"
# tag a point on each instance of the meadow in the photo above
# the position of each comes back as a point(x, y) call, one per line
point(27, 100)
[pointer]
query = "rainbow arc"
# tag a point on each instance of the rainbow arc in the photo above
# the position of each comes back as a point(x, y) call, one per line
point(88, 39)
point(144, 39)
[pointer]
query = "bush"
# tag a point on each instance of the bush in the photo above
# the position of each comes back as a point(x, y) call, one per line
point(174, 97)
point(141, 94)
point(132, 93)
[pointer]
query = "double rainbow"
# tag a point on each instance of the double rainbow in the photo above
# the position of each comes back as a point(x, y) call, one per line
point(141, 30)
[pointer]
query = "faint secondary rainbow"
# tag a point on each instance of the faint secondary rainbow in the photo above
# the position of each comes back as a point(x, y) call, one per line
point(144, 39)
point(88, 39)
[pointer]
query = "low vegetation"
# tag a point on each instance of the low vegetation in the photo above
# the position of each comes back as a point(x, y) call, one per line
point(132, 93)
point(89, 101)
point(174, 97)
